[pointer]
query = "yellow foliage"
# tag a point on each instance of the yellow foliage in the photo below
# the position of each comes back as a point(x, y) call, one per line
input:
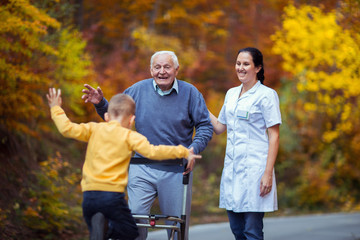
point(21, 39)
point(34, 55)
point(71, 53)
point(310, 107)
point(325, 58)
point(72, 66)
point(329, 136)
point(28, 23)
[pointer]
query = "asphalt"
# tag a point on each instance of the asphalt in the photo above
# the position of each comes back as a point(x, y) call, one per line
point(336, 226)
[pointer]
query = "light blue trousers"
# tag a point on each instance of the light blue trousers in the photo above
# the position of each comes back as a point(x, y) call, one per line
point(146, 182)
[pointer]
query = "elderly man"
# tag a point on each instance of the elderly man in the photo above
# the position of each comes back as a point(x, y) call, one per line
point(168, 111)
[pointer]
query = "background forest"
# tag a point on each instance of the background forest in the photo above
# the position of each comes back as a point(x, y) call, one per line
point(311, 53)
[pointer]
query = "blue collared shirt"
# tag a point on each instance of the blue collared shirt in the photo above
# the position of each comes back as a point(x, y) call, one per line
point(163, 93)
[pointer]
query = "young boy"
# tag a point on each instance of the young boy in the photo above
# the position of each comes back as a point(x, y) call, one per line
point(105, 170)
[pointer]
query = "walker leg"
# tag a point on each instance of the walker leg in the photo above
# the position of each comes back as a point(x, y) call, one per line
point(97, 227)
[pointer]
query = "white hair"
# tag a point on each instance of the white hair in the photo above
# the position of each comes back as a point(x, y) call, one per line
point(172, 55)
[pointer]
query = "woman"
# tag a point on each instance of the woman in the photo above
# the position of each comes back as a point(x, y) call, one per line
point(251, 116)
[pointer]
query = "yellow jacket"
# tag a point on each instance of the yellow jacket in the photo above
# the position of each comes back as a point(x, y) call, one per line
point(109, 150)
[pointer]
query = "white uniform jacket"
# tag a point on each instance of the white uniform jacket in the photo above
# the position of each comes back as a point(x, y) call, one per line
point(247, 119)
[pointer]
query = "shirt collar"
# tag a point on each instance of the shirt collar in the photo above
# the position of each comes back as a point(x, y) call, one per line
point(162, 93)
point(253, 89)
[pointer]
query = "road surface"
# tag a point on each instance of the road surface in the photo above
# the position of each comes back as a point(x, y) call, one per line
point(337, 226)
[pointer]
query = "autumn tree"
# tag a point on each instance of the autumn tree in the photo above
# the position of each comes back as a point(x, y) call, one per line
point(21, 32)
point(322, 57)
point(36, 52)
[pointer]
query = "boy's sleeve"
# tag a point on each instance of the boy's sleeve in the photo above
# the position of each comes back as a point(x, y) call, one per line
point(140, 144)
point(69, 129)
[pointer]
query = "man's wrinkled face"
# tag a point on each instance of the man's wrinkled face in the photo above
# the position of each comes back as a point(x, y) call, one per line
point(163, 71)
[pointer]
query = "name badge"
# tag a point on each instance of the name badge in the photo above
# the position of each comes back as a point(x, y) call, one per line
point(243, 114)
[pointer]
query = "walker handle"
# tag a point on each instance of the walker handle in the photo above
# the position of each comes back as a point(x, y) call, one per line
point(186, 177)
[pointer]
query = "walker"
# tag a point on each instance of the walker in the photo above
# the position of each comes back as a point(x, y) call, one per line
point(154, 218)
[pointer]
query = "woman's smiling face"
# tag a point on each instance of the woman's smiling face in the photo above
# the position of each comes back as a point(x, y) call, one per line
point(245, 68)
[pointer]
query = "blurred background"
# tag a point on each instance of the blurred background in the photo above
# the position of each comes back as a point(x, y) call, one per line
point(311, 54)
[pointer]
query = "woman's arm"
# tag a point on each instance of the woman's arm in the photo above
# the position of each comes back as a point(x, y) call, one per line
point(218, 126)
point(266, 180)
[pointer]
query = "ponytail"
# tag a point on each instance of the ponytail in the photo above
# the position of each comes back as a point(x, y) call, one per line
point(260, 75)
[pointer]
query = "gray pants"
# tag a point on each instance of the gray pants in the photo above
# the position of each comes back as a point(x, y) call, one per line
point(146, 182)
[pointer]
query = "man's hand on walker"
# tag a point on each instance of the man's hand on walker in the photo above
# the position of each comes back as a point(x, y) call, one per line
point(191, 161)
point(92, 95)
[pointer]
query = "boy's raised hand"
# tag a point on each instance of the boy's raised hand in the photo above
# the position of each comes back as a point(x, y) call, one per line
point(54, 97)
point(191, 161)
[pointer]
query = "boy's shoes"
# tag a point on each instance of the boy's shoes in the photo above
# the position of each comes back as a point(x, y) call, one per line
point(97, 227)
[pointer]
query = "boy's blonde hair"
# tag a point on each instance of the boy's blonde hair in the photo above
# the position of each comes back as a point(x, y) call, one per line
point(121, 105)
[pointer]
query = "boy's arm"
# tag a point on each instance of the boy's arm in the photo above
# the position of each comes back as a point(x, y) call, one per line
point(140, 144)
point(64, 125)
point(81, 132)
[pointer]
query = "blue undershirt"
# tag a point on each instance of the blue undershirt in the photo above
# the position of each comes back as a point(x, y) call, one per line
point(162, 93)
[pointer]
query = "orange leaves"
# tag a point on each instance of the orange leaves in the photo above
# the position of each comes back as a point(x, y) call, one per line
point(32, 58)
point(27, 23)
point(20, 39)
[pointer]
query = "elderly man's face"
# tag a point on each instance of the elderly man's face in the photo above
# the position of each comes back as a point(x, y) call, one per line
point(163, 71)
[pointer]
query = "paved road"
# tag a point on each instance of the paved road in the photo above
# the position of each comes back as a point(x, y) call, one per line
point(338, 226)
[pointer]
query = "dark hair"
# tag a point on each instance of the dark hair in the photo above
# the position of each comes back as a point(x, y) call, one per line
point(258, 61)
